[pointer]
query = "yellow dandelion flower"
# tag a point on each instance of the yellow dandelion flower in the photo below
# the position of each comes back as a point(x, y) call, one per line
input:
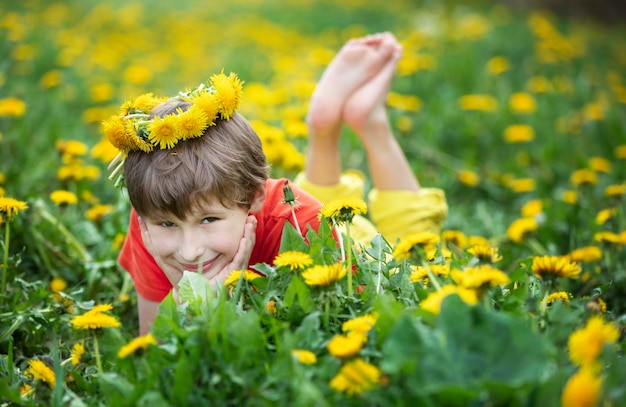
point(99, 308)
point(12, 107)
point(532, 208)
point(140, 342)
point(615, 190)
point(146, 102)
point(62, 197)
point(456, 237)
point(234, 276)
point(137, 136)
point(324, 275)
point(104, 151)
point(410, 103)
point(39, 370)
point(95, 318)
point(406, 246)
point(25, 389)
point(620, 152)
point(71, 147)
point(163, 131)
point(304, 356)
point(356, 377)
point(344, 209)
point(293, 260)
point(11, 207)
point(207, 102)
point(582, 389)
point(270, 307)
point(51, 79)
point(58, 284)
point(599, 164)
point(485, 103)
point(192, 123)
point(468, 177)
point(432, 302)
point(361, 324)
point(562, 296)
point(604, 215)
point(519, 133)
point(78, 350)
point(586, 344)
point(522, 102)
point(228, 90)
point(498, 65)
point(97, 212)
point(432, 252)
point(348, 345)
point(555, 266)
point(420, 274)
point(521, 185)
point(480, 276)
point(485, 252)
point(519, 228)
point(114, 130)
point(583, 176)
point(570, 197)
point(539, 84)
point(606, 236)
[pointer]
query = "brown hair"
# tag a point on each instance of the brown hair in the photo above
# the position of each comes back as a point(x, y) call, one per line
point(226, 163)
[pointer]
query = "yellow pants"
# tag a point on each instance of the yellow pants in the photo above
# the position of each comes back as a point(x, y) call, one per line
point(394, 214)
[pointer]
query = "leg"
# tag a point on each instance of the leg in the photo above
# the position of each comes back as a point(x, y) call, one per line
point(357, 62)
point(365, 113)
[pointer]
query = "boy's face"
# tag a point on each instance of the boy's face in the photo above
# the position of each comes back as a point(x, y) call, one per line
point(209, 239)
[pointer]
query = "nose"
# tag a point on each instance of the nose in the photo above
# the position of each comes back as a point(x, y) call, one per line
point(191, 247)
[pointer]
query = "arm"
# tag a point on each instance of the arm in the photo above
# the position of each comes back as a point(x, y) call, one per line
point(147, 313)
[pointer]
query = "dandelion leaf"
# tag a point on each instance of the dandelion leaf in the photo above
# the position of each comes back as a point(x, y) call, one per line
point(292, 240)
point(195, 290)
point(476, 348)
point(116, 389)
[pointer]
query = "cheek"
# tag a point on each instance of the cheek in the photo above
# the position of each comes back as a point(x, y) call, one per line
point(163, 241)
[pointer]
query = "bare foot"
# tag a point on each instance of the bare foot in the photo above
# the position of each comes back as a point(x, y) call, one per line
point(366, 106)
point(357, 62)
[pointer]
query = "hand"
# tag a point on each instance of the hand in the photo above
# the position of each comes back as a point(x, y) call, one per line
point(242, 257)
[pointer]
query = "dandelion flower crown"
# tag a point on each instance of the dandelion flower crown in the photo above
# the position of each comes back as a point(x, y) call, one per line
point(134, 129)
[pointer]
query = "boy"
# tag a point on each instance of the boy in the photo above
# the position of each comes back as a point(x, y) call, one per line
point(206, 204)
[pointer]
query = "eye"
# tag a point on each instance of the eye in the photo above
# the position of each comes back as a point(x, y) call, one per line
point(209, 219)
point(167, 224)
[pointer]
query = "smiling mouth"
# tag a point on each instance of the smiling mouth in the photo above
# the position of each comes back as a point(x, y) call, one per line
point(204, 266)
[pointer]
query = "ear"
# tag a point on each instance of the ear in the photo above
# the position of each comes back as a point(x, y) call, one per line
point(258, 200)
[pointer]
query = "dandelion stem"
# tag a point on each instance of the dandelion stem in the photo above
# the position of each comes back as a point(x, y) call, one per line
point(97, 352)
point(84, 254)
point(349, 259)
point(295, 219)
point(432, 277)
point(5, 257)
point(327, 312)
point(343, 253)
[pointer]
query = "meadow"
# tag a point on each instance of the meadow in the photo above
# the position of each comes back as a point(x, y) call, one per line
point(519, 301)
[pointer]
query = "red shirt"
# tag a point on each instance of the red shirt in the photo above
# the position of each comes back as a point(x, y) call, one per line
point(152, 283)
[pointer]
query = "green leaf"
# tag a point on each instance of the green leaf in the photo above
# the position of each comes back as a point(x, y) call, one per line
point(195, 290)
point(309, 334)
point(292, 240)
point(9, 393)
point(471, 346)
point(298, 290)
point(152, 399)
point(168, 318)
point(400, 353)
point(116, 389)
